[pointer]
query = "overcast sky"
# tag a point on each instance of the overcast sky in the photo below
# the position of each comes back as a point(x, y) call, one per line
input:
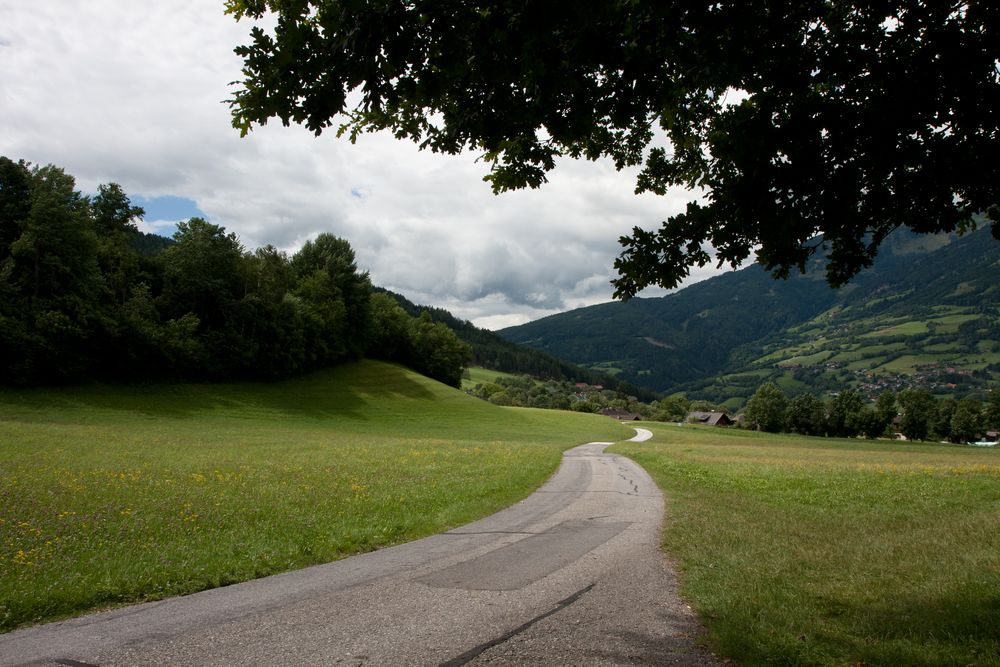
point(133, 93)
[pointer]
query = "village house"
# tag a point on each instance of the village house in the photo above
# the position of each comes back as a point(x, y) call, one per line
point(709, 418)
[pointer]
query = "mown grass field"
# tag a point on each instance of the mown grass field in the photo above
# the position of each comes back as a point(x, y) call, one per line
point(804, 551)
point(478, 375)
point(111, 495)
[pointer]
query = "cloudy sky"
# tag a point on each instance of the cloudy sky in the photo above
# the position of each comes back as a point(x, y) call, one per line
point(134, 93)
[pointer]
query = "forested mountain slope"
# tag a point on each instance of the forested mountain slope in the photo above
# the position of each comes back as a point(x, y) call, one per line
point(927, 300)
point(492, 351)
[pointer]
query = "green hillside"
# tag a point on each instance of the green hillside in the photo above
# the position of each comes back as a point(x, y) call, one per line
point(929, 304)
point(115, 494)
point(492, 351)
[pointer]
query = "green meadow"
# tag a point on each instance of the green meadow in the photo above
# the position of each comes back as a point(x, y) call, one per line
point(477, 375)
point(807, 551)
point(793, 550)
point(112, 495)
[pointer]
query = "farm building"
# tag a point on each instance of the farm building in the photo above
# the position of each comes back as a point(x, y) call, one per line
point(709, 418)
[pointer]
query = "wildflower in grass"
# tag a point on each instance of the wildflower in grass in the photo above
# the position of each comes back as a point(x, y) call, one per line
point(27, 558)
point(976, 469)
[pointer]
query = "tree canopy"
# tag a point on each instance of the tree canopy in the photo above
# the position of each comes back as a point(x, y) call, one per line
point(765, 410)
point(80, 299)
point(841, 119)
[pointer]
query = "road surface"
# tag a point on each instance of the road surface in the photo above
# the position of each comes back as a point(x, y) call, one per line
point(573, 575)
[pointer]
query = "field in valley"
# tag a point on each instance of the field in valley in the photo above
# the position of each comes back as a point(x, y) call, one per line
point(110, 495)
point(793, 550)
point(806, 551)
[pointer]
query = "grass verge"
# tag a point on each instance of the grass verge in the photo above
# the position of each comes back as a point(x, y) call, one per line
point(111, 495)
point(803, 551)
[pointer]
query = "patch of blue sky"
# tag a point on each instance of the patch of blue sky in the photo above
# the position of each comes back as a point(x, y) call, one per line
point(168, 207)
point(163, 213)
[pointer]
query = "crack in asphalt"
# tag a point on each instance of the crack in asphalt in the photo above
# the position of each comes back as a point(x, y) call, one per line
point(635, 487)
point(475, 652)
point(620, 493)
point(493, 532)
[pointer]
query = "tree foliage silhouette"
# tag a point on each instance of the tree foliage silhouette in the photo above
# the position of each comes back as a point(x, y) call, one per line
point(845, 119)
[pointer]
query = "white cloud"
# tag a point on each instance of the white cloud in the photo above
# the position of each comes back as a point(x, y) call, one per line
point(161, 227)
point(134, 93)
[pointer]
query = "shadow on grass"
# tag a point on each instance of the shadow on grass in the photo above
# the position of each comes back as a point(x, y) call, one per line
point(344, 391)
point(961, 628)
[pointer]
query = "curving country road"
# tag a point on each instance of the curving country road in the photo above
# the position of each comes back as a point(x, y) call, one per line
point(573, 575)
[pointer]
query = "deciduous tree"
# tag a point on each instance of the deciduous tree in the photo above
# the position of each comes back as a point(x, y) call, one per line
point(846, 119)
point(940, 424)
point(439, 352)
point(328, 268)
point(992, 415)
point(200, 272)
point(15, 203)
point(967, 420)
point(806, 414)
point(886, 408)
point(845, 417)
point(115, 223)
point(50, 279)
point(672, 408)
point(917, 412)
point(78, 301)
point(765, 411)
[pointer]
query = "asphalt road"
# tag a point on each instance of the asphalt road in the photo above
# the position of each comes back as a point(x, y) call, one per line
point(572, 575)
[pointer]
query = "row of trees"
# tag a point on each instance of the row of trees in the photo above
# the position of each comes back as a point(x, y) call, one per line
point(78, 299)
point(490, 350)
point(525, 391)
point(913, 412)
point(920, 415)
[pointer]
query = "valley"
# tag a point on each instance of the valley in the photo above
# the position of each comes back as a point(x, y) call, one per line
point(927, 314)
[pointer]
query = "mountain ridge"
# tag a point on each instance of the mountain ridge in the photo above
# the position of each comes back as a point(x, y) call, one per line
point(492, 351)
point(733, 322)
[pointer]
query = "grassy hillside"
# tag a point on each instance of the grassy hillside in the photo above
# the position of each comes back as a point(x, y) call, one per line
point(118, 494)
point(807, 551)
point(665, 342)
point(927, 300)
point(921, 317)
point(492, 351)
point(477, 375)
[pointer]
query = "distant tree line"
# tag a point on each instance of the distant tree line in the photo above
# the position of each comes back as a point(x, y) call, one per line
point(915, 413)
point(85, 295)
point(491, 350)
point(529, 392)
